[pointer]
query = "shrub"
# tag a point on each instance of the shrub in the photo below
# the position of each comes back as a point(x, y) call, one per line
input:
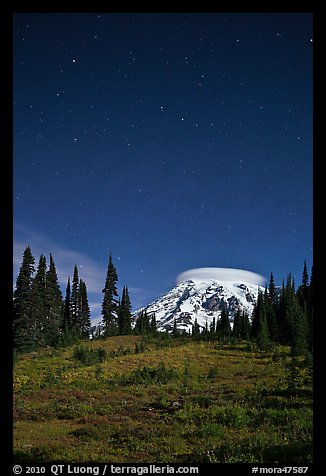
point(210, 429)
point(213, 372)
point(139, 347)
point(89, 356)
point(202, 400)
point(148, 375)
point(236, 417)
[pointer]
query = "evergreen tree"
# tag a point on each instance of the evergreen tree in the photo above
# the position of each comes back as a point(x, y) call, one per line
point(245, 326)
point(237, 331)
point(212, 329)
point(299, 331)
point(205, 332)
point(52, 322)
point(303, 290)
point(256, 313)
point(39, 297)
point(175, 331)
point(224, 327)
point(124, 313)
point(74, 299)
point(143, 325)
point(39, 283)
point(283, 331)
point(262, 338)
point(84, 313)
point(304, 294)
point(271, 310)
point(289, 307)
point(153, 325)
point(195, 330)
point(110, 302)
point(24, 331)
point(259, 328)
point(67, 314)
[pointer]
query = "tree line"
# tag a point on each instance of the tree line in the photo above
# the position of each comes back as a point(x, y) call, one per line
point(280, 316)
point(42, 317)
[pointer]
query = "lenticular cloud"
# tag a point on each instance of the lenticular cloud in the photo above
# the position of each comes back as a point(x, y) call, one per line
point(221, 274)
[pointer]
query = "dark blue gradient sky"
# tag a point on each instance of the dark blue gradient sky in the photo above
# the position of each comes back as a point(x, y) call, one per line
point(174, 141)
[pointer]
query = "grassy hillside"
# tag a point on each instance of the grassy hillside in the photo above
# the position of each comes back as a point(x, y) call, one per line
point(162, 401)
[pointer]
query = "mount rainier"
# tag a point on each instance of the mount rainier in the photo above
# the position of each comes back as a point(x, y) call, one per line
point(202, 294)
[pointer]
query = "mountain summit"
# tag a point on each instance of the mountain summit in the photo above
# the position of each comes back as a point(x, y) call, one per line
point(202, 294)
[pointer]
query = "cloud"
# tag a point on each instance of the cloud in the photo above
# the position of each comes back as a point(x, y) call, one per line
point(221, 274)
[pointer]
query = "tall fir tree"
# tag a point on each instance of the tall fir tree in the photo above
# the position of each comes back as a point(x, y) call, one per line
point(153, 324)
point(24, 331)
point(110, 305)
point(143, 324)
point(74, 299)
point(283, 331)
point(195, 330)
point(39, 293)
point(262, 337)
point(84, 313)
point(299, 330)
point(303, 290)
point(271, 310)
point(241, 325)
point(245, 326)
point(212, 328)
point(224, 326)
point(259, 328)
point(236, 331)
point(53, 321)
point(124, 313)
point(67, 315)
point(175, 331)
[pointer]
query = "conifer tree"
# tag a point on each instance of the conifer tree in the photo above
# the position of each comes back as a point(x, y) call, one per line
point(271, 310)
point(74, 299)
point(53, 322)
point(245, 326)
point(262, 338)
point(39, 283)
point(24, 331)
point(212, 329)
point(153, 325)
point(195, 330)
point(124, 313)
point(256, 313)
point(259, 328)
point(84, 313)
point(39, 296)
point(283, 331)
point(143, 325)
point(236, 331)
point(175, 331)
point(67, 315)
point(110, 303)
point(303, 290)
point(224, 327)
point(299, 331)
point(290, 307)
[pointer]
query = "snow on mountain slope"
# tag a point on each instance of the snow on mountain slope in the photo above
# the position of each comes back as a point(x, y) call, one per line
point(204, 298)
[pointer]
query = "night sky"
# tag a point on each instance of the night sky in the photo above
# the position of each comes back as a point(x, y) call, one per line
point(172, 140)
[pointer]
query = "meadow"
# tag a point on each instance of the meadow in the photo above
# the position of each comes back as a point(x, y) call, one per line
point(129, 399)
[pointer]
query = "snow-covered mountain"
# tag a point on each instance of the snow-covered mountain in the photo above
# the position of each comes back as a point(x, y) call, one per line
point(204, 298)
